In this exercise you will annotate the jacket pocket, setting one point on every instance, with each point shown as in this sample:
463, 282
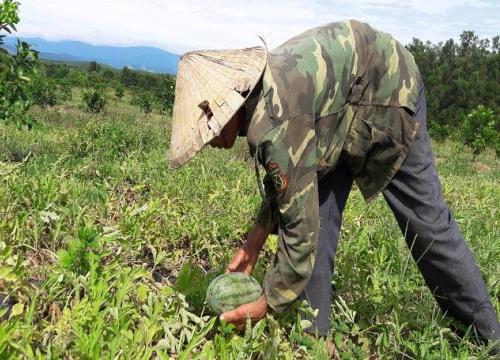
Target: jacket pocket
376, 145
368, 143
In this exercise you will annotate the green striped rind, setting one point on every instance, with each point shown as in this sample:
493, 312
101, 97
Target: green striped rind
228, 291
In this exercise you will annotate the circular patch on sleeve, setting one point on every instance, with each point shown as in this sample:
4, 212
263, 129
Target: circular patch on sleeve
279, 179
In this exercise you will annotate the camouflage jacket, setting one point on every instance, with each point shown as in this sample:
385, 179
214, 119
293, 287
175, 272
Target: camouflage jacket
339, 89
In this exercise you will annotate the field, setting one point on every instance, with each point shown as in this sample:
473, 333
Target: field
106, 253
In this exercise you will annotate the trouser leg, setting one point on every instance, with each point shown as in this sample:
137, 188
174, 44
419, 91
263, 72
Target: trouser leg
443, 257
333, 192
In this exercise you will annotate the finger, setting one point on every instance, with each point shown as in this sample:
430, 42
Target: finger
236, 262
239, 314
232, 316
246, 266
248, 269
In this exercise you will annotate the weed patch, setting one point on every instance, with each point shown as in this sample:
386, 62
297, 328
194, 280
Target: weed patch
107, 254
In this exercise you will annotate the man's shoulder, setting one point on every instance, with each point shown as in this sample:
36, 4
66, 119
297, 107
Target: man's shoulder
314, 69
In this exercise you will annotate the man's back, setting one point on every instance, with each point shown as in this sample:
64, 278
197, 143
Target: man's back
318, 67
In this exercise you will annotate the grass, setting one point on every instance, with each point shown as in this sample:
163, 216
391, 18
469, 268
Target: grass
107, 254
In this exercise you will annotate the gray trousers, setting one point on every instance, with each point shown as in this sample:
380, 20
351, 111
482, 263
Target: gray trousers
444, 259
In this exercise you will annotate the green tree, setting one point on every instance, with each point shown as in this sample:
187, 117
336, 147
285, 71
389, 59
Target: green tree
43, 92
495, 44
65, 90
147, 103
458, 76
15, 71
94, 67
143, 99
479, 132
166, 94
119, 92
94, 99
9, 17
76, 78
57, 71
108, 75
127, 77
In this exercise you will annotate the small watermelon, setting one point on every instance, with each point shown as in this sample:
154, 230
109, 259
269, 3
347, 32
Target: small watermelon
228, 291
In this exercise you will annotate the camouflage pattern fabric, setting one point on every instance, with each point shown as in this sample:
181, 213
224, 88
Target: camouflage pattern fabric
339, 89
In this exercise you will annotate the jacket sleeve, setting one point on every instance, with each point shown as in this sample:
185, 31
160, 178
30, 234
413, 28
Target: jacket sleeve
288, 153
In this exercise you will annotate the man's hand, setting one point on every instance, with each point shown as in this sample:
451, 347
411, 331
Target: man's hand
245, 259
247, 255
255, 310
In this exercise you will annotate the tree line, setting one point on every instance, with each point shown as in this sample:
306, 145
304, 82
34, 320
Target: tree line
459, 76
147, 90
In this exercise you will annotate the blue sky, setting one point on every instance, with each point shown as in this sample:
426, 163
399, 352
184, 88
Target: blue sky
182, 25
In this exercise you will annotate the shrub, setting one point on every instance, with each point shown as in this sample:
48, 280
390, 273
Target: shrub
65, 93
439, 131
43, 92
147, 103
111, 139
94, 67
108, 75
166, 95
79, 256
144, 100
95, 80
76, 78
94, 100
119, 92
478, 131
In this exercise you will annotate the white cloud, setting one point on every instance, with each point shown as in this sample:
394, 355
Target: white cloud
176, 24
432, 7
181, 25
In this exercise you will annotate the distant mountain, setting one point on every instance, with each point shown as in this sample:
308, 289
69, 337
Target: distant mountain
137, 57
10, 48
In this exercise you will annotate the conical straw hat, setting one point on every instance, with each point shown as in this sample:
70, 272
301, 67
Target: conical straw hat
208, 94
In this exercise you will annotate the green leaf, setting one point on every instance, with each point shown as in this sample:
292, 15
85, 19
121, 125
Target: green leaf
7, 274
64, 258
17, 310
142, 292
193, 283
304, 324
167, 291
